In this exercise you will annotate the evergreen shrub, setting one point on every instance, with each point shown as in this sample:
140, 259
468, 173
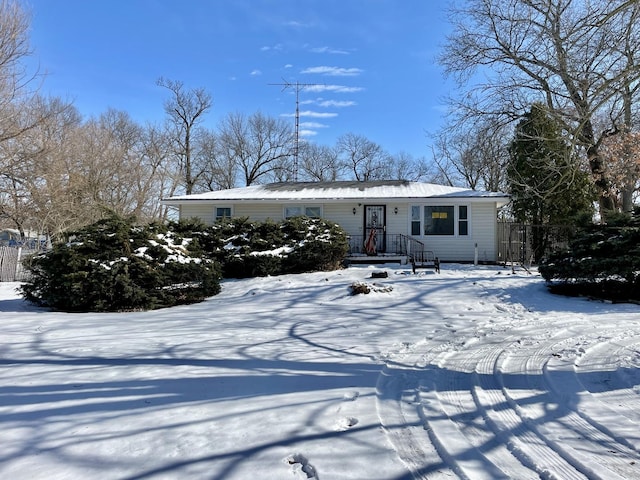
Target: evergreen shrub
316, 244
602, 261
295, 245
114, 265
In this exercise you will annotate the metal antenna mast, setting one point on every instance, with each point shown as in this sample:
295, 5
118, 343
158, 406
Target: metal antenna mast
297, 86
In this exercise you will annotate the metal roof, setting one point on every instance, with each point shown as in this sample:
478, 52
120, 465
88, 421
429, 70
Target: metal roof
339, 190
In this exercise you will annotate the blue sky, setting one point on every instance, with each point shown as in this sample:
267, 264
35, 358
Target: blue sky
373, 61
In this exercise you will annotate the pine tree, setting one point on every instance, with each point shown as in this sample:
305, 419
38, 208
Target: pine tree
545, 178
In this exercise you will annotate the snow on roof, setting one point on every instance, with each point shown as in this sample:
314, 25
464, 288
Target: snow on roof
343, 190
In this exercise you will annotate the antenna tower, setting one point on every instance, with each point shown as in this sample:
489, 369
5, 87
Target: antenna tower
297, 87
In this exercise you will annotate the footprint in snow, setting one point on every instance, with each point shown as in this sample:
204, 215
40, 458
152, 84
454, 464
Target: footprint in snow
254, 291
351, 396
301, 467
345, 423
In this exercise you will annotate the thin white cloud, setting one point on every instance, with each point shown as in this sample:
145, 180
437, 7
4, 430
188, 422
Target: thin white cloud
267, 48
255, 73
313, 125
333, 88
333, 71
297, 24
288, 65
311, 113
321, 102
336, 103
334, 51
307, 133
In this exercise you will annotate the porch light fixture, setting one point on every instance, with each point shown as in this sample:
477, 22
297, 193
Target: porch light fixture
395, 210
354, 210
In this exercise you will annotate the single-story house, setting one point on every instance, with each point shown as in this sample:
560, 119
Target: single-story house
382, 218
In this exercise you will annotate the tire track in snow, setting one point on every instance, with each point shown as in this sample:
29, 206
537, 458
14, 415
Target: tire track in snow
474, 401
517, 398
608, 373
605, 393
397, 402
489, 410
586, 448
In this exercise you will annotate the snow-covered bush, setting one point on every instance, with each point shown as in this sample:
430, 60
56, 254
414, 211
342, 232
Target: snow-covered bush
602, 261
296, 245
315, 244
114, 265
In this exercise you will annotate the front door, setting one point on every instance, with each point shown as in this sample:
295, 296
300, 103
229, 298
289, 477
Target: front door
375, 228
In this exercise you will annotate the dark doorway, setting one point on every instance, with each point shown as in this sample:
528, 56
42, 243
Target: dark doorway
375, 229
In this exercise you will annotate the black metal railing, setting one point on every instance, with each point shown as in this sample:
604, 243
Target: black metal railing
388, 243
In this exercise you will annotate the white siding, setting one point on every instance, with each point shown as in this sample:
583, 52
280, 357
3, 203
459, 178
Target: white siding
258, 211
485, 230
398, 222
204, 212
482, 223
342, 214
461, 248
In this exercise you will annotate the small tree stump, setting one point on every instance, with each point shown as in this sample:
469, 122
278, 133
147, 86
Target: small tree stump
358, 288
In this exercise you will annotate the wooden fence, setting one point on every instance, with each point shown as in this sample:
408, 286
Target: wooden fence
527, 244
11, 269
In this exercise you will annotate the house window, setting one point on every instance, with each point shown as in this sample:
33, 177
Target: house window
439, 220
463, 220
292, 211
415, 220
313, 212
223, 212
297, 210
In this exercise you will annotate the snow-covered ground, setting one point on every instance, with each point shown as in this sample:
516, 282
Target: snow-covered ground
474, 373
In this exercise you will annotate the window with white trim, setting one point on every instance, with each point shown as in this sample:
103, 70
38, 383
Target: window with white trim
313, 211
416, 224
439, 220
292, 211
463, 220
222, 213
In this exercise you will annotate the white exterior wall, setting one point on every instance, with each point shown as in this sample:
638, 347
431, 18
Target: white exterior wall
482, 223
485, 231
258, 211
204, 212
342, 214
482, 231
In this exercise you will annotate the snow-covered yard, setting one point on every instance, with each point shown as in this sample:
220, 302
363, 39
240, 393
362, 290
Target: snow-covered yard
474, 373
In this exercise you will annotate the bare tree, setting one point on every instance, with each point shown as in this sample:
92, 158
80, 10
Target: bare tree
258, 144
219, 171
185, 110
79, 172
15, 81
22, 112
405, 166
364, 159
31, 182
565, 53
164, 175
474, 156
319, 162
